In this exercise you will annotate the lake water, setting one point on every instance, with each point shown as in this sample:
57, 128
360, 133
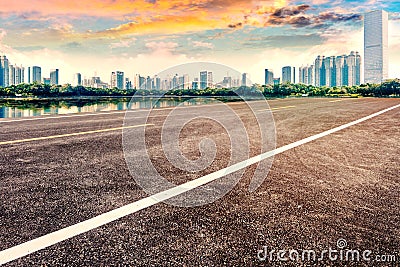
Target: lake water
18, 108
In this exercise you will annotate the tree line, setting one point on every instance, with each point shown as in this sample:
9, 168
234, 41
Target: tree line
388, 88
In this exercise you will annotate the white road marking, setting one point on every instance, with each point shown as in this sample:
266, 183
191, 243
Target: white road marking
50, 239
71, 134
278, 108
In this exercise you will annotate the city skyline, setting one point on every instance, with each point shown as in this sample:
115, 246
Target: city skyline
98, 36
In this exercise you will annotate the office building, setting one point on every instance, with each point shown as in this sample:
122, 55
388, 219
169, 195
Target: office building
4, 71
210, 80
376, 59
287, 75
77, 79
36, 74
227, 82
54, 77
16, 75
269, 77
245, 79
306, 75
344, 70
203, 80
195, 84
117, 80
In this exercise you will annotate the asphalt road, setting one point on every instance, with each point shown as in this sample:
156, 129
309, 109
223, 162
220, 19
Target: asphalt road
342, 186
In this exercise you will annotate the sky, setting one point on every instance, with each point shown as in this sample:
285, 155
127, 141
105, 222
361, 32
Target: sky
95, 37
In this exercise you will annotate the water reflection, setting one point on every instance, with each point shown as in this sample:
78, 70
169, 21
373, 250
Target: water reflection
18, 108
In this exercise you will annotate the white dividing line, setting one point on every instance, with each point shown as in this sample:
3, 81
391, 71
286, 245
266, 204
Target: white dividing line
50, 239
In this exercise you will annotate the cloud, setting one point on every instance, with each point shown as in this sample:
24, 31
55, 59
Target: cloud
236, 25
161, 47
123, 43
203, 44
296, 16
3, 34
29, 48
284, 41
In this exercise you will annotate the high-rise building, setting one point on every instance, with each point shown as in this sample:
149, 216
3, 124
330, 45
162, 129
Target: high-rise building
195, 84
4, 69
328, 72
376, 66
333, 71
269, 77
210, 80
149, 83
306, 75
77, 79
318, 77
54, 77
128, 84
203, 80
16, 75
287, 74
245, 77
117, 80
186, 81
157, 83
227, 82
294, 74
36, 74
11, 73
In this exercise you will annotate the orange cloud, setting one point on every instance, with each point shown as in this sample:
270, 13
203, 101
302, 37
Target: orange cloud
165, 24
146, 17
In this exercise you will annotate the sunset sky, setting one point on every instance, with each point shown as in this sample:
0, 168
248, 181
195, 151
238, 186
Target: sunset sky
99, 36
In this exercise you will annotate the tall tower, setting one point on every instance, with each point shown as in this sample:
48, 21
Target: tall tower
318, 67
117, 80
54, 77
376, 65
77, 79
203, 80
287, 74
269, 77
4, 69
36, 74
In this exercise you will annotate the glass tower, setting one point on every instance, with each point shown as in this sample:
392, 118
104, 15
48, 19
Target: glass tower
376, 46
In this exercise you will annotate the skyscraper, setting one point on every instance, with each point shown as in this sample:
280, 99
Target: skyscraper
54, 77
117, 80
36, 74
318, 75
334, 71
269, 77
287, 74
376, 46
245, 77
11, 72
210, 80
4, 69
77, 79
203, 80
